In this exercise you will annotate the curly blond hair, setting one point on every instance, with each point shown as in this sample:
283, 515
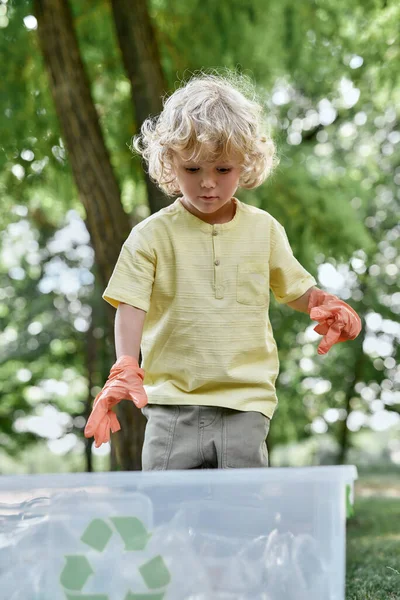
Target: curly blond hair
213, 117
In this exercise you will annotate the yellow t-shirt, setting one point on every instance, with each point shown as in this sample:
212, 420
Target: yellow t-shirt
207, 338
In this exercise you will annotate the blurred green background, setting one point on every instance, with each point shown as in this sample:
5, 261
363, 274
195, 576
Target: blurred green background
327, 73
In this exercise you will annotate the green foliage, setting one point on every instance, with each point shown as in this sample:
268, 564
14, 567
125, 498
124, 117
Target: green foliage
40, 343
336, 190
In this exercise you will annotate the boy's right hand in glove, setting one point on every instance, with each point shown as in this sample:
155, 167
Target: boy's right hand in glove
125, 382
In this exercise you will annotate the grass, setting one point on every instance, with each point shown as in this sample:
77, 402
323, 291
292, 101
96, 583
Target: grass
373, 540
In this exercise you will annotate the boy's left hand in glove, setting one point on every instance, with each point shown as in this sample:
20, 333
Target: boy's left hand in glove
338, 322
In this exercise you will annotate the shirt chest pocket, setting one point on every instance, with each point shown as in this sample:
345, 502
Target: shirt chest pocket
252, 283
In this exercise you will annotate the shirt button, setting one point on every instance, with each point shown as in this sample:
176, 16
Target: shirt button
216, 262
215, 232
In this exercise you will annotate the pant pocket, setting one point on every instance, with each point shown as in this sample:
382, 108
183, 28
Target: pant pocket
158, 437
244, 439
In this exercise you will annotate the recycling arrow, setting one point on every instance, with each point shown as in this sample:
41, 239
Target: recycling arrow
155, 573
76, 572
132, 531
97, 534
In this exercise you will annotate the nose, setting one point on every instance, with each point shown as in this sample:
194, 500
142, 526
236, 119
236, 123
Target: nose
208, 182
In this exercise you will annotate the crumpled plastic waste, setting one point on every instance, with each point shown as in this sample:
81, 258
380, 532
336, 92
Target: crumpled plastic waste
201, 565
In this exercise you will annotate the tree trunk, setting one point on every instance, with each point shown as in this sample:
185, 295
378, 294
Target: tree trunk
140, 55
97, 186
90, 348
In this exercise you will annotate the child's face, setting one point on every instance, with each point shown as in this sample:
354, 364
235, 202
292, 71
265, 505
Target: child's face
207, 187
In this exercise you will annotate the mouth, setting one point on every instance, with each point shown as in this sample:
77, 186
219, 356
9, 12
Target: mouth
208, 197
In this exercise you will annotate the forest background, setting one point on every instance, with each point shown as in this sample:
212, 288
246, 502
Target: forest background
78, 78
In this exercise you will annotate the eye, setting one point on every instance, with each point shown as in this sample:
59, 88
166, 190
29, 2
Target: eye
222, 170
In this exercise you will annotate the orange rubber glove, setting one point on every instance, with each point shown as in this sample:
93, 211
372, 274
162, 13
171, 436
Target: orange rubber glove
338, 322
123, 383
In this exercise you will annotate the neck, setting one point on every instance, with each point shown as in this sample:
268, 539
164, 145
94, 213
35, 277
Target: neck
224, 216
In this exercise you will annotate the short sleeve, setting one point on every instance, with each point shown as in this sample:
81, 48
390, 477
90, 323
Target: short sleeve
132, 279
288, 280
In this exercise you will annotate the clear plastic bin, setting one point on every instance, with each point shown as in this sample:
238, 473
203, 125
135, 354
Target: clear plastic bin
243, 534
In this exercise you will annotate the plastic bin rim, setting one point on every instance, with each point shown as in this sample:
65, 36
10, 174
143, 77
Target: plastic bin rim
337, 473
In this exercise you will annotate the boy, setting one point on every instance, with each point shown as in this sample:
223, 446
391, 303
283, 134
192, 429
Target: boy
191, 288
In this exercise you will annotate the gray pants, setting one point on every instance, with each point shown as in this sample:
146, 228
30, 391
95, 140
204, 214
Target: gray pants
203, 437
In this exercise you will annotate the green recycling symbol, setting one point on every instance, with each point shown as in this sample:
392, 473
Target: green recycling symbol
97, 534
